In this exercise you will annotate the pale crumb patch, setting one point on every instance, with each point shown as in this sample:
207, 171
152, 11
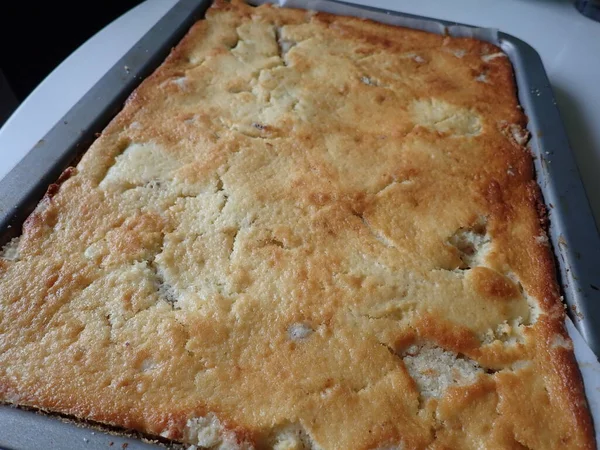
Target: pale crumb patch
209, 432
514, 132
519, 365
179, 81
377, 234
513, 277
532, 302
11, 397
520, 135
542, 239
147, 365
445, 117
473, 245
562, 342
368, 81
482, 78
460, 53
253, 129
93, 251
534, 308
415, 57
507, 332
488, 58
299, 331
135, 125
435, 369
285, 46
326, 392
293, 437
204, 431
165, 291
10, 251
138, 164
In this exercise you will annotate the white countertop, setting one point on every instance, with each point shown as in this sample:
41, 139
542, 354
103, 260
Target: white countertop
568, 43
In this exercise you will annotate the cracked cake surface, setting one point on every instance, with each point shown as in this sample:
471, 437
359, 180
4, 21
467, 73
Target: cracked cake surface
303, 231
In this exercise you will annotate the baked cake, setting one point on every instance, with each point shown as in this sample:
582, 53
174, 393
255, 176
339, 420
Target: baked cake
303, 231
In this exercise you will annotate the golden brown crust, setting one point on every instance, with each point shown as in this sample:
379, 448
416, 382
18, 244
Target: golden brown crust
302, 231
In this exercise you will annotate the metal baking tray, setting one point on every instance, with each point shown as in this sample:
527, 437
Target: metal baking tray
572, 230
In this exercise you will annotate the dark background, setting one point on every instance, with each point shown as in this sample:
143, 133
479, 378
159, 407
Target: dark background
37, 35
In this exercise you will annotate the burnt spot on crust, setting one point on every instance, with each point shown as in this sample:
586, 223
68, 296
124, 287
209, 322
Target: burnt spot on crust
54, 187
